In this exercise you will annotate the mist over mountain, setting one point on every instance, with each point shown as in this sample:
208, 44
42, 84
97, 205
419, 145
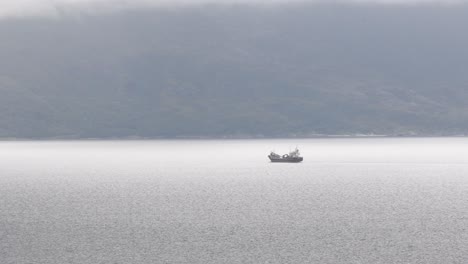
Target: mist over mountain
236, 70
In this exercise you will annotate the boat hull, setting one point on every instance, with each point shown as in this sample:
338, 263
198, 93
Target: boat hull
286, 160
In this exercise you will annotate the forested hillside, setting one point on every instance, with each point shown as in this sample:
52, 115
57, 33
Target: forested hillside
236, 71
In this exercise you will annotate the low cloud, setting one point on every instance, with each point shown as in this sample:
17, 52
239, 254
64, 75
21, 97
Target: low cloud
18, 8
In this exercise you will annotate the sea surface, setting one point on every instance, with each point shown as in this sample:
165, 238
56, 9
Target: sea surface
378, 200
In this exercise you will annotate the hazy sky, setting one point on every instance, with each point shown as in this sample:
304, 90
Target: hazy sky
47, 7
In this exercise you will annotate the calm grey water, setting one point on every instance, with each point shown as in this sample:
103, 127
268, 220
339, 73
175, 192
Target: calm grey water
350, 201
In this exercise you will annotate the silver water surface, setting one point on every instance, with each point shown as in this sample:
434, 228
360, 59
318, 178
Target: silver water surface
350, 201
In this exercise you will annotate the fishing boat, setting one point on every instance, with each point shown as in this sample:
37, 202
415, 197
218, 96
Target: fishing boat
293, 157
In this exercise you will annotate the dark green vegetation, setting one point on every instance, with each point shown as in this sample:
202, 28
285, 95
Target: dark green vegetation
236, 71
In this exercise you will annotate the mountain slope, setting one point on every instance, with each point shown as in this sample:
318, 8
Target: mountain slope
236, 71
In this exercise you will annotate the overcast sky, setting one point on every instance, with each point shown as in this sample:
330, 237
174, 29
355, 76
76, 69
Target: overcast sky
48, 7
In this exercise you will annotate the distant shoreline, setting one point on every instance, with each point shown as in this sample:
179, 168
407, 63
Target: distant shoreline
10, 139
